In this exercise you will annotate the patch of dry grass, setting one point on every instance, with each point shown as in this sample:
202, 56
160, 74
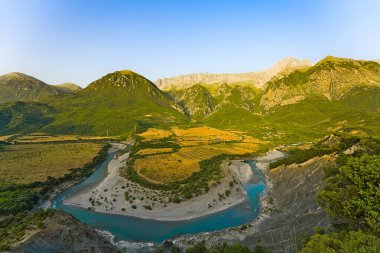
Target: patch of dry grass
26, 163
41, 137
5, 137
155, 134
152, 151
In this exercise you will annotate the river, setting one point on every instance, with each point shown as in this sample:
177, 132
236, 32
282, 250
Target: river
128, 228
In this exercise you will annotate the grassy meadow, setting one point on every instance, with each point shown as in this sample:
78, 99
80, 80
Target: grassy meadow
27, 163
31, 165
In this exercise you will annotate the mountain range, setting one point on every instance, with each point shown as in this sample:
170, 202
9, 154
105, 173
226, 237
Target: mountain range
257, 78
294, 99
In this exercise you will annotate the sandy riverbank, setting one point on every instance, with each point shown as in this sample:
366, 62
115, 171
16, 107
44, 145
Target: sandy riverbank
109, 195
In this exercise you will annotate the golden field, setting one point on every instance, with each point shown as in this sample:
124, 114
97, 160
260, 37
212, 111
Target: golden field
197, 144
41, 137
26, 163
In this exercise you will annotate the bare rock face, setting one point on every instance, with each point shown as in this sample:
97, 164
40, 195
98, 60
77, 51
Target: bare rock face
296, 213
257, 79
63, 233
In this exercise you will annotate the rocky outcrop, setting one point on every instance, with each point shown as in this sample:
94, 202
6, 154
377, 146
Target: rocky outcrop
331, 79
63, 233
257, 79
294, 192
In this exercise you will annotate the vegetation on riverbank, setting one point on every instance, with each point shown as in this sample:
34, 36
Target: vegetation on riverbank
331, 144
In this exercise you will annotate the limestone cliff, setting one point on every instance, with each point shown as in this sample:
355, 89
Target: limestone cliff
258, 78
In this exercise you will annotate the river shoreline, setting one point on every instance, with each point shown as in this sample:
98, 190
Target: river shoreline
113, 188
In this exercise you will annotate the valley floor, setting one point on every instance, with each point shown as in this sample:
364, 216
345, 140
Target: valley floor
109, 195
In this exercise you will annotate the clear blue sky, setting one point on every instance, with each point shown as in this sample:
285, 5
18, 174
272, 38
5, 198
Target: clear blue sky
81, 40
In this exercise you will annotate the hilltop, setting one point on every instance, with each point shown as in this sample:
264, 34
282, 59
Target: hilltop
121, 102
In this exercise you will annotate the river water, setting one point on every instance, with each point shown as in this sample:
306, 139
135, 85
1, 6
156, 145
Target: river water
129, 228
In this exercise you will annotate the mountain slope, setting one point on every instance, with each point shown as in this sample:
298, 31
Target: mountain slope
257, 79
196, 101
200, 102
20, 87
118, 103
24, 117
331, 78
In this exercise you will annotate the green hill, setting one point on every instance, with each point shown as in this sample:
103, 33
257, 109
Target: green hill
20, 87
118, 103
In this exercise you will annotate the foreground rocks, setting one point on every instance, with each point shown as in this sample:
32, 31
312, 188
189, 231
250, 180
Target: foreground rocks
63, 233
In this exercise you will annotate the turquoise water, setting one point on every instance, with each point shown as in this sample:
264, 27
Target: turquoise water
135, 229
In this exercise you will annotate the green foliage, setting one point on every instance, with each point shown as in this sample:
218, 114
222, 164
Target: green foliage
353, 195
17, 200
324, 147
343, 242
24, 117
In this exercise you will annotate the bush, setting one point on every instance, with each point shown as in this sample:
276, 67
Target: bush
352, 196
350, 242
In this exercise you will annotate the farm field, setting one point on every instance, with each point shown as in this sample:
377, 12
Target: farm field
195, 145
41, 137
26, 163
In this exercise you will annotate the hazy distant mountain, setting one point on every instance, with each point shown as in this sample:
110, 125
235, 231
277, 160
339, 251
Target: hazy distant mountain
257, 79
331, 78
68, 87
20, 87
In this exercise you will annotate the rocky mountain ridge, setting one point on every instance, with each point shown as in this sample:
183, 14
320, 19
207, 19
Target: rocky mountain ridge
331, 78
257, 78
